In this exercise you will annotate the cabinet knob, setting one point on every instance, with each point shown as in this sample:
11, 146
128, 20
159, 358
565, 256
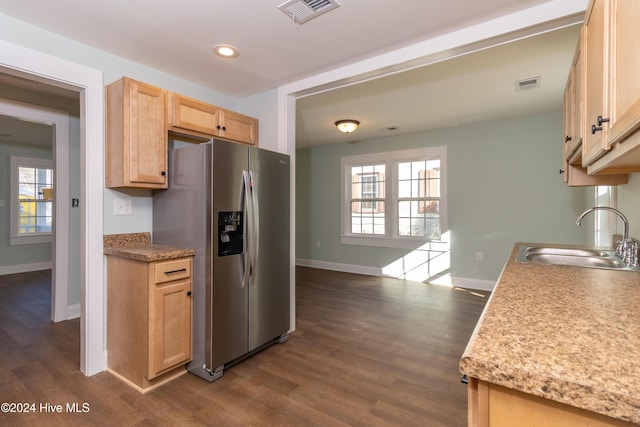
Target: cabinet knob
218, 127
567, 138
602, 120
188, 293
561, 171
595, 129
163, 173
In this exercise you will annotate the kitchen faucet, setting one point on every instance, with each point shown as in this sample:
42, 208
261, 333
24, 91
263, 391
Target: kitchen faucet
627, 249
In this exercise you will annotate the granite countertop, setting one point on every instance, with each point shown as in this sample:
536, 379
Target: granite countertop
138, 246
567, 334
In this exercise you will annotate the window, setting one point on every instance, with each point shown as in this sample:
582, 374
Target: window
395, 198
31, 200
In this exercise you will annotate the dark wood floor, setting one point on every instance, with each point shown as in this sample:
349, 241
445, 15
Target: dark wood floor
368, 351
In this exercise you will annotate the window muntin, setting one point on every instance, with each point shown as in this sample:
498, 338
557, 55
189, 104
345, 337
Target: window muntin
36, 212
32, 181
394, 197
419, 199
367, 199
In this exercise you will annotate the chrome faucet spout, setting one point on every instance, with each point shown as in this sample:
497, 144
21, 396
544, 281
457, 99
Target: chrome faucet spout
625, 236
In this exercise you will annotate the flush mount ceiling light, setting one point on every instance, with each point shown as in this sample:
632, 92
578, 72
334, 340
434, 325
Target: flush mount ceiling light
226, 51
347, 126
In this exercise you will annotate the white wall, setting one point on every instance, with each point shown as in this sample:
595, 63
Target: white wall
262, 106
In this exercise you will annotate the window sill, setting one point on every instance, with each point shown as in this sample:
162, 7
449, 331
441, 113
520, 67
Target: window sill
384, 242
30, 240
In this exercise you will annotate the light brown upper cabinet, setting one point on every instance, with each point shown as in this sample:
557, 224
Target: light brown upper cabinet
611, 141
573, 173
193, 117
136, 136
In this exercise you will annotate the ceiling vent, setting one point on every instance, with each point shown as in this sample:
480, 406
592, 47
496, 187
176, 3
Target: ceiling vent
525, 84
302, 11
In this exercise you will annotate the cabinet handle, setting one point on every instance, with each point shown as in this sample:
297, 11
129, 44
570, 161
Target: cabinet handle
600, 120
561, 171
567, 138
188, 293
182, 270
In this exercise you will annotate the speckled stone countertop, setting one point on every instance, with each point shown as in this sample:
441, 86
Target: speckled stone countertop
564, 333
138, 246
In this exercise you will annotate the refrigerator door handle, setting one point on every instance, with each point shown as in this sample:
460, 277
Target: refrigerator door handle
246, 201
255, 228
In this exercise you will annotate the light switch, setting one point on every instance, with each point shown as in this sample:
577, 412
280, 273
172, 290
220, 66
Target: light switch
1, 203
122, 207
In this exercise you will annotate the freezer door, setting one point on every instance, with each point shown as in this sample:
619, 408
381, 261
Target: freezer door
230, 299
181, 218
269, 285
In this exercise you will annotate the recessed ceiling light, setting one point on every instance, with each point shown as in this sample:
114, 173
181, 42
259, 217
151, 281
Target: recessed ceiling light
226, 51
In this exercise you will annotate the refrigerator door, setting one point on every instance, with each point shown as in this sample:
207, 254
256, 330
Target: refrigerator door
269, 284
230, 299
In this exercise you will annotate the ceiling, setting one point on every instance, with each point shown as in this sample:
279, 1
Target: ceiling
274, 50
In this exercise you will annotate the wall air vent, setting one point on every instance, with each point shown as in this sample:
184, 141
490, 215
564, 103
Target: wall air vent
302, 11
530, 83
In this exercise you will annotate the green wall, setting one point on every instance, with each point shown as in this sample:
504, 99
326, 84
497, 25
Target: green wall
503, 187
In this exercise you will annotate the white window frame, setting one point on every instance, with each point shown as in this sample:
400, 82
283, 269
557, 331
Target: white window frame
15, 237
391, 238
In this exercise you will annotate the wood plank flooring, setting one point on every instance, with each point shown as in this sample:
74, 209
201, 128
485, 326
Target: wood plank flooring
368, 351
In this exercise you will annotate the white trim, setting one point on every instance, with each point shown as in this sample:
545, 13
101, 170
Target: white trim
73, 311
459, 282
60, 249
38, 66
26, 268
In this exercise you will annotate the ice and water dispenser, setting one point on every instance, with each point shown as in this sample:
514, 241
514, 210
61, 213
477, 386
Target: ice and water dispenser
230, 233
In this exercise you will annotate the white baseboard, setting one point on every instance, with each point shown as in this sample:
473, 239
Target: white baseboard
25, 268
461, 282
73, 311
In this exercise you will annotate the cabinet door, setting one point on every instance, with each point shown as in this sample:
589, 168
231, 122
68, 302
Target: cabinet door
625, 69
148, 148
238, 127
169, 326
136, 138
193, 115
596, 77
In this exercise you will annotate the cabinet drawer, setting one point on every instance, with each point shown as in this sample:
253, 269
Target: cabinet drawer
173, 270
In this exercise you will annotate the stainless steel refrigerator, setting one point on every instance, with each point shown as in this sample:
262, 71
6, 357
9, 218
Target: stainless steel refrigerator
230, 203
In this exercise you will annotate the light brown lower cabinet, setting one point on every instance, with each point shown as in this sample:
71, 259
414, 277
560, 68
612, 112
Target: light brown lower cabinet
148, 320
496, 406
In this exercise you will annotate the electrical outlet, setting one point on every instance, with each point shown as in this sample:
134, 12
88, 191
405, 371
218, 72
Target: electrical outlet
479, 256
1, 203
122, 207
317, 243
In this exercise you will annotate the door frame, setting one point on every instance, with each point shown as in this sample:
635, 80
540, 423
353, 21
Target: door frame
40, 67
59, 120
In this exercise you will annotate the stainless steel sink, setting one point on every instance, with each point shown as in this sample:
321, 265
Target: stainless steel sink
577, 257
566, 251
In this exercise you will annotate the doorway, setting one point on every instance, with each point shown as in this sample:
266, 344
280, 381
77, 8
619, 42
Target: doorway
88, 83
23, 120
